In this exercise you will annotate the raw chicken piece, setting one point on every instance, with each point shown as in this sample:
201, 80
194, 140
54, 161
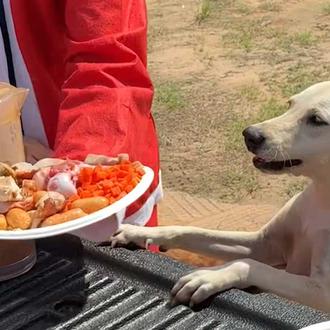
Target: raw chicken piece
26, 204
63, 184
92, 159
48, 162
69, 166
51, 203
23, 166
24, 170
5, 206
9, 190
41, 178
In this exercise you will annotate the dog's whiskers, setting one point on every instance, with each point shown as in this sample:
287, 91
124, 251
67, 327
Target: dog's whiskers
269, 151
289, 159
282, 154
275, 157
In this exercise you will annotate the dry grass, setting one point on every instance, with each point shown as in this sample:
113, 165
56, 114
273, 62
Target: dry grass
238, 66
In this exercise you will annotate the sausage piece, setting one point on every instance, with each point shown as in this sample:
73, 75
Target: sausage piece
91, 204
18, 219
63, 217
3, 222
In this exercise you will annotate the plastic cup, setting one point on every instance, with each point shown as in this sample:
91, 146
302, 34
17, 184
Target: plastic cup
16, 257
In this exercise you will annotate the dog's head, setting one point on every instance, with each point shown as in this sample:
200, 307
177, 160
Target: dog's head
298, 141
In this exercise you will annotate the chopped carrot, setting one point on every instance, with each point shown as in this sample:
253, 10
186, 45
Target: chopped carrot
122, 194
129, 188
107, 184
115, 191
86, 175
86, 194
112, 200
113, 182
134, 182
98, 193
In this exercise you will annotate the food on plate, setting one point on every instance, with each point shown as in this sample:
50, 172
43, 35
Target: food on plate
18, 219
9, 190
90, 204
63, 217
62, 183
6, 170
54, 191
3, 222
29, 187
47, 205
38, 195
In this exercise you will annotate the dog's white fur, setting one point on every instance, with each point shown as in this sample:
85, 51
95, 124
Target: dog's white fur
290, 256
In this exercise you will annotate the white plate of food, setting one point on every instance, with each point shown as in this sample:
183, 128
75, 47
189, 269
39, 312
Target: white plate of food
56, 196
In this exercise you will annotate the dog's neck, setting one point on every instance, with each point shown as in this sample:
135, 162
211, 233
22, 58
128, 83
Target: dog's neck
321, 192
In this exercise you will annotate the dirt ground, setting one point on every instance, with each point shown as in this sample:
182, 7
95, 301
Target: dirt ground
218, 65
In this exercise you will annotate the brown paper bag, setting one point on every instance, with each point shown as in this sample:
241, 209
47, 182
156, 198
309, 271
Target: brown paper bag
11, 137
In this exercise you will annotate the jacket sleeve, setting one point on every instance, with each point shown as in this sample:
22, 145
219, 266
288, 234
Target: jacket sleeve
107, 93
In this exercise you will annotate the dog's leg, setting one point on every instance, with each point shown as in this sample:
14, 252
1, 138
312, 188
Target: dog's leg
267, 245
220, 244
313, 290
201, 284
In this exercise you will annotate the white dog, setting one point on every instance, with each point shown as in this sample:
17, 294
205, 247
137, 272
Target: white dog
290, 256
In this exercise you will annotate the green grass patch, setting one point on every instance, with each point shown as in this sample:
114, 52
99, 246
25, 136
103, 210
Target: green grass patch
242, 38
170, 96
242, 8
288, 42
326, 8
248, 34
233, 135
299, 77
250, 92
304, 39
270, 5
295, 187
272, 108
204, 11
283, 41
239, 182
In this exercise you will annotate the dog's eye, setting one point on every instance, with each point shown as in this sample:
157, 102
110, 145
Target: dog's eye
316, 120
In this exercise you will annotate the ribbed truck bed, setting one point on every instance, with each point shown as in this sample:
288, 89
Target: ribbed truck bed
76, 285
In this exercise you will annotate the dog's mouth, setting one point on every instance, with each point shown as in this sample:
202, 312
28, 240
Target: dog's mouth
262, 164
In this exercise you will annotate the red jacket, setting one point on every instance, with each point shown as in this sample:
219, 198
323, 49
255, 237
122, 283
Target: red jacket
85, 63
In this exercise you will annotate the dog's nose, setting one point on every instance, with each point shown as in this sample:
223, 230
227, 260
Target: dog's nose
253, 138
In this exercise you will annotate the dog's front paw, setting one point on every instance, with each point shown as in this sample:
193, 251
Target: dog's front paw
129, 234
202, 284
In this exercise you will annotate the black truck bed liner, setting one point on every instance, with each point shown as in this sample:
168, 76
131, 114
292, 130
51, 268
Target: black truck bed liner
76, 285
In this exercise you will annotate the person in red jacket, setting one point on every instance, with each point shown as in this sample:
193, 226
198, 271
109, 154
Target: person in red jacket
85, 64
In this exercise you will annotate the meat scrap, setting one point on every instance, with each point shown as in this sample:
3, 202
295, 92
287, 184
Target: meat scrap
9, 190
29, 187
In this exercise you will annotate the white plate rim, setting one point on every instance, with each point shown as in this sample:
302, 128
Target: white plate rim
319, 326
85, 221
